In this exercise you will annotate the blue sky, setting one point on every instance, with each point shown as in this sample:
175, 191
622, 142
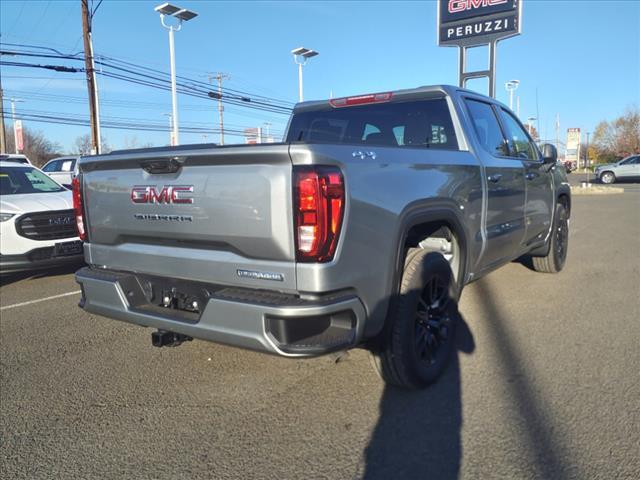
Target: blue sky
582, 58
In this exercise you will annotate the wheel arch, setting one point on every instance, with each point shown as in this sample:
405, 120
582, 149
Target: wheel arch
418, 221
564, 196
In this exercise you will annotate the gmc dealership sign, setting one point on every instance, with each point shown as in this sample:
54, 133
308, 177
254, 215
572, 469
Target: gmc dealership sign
477, 22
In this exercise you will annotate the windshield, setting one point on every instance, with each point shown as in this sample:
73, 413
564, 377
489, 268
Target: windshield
20, 180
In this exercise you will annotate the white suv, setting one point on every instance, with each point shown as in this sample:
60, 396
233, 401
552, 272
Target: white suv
61, 170
37, 221
15, 158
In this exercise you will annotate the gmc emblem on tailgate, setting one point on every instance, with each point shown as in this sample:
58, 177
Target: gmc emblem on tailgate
167, 194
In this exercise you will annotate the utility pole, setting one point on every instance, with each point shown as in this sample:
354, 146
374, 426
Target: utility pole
3, 135
91, 77
268, 125
220, 77
171, 138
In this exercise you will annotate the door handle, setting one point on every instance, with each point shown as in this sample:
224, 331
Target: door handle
495, 178
170, 165
531, 175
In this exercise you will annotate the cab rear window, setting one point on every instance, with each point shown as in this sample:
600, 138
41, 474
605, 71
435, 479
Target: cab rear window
413, 124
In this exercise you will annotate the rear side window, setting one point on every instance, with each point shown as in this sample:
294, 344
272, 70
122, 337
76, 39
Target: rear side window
53, 166
631, 161
67, 166
419, 124
487, 127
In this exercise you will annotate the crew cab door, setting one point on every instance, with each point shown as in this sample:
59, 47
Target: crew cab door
629, 168
504, 225
538, 212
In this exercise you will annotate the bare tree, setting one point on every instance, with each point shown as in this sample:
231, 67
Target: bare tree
83, 145
132, 142
38, 149
618, 138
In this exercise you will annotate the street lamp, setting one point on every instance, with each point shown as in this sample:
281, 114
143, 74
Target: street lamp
300, 56
511, 86
183, 15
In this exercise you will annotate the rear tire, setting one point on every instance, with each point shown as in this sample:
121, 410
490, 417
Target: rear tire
420, 329
608, 178
554, 261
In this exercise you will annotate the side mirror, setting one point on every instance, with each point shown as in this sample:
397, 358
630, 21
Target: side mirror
549, 153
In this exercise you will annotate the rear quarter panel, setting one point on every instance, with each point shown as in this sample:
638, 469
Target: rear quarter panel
381, 195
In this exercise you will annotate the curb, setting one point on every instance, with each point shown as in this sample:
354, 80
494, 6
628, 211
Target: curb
595, 190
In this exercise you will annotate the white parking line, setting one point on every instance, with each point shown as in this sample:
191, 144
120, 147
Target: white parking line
30, 302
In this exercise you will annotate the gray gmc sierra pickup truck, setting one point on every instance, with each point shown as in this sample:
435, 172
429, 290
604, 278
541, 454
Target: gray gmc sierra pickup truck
360, 229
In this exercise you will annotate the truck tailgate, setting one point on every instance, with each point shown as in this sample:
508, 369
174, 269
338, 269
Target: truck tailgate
228, 222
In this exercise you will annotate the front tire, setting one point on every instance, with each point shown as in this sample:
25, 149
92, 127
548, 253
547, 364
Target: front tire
554, 261
608, 178
420, 329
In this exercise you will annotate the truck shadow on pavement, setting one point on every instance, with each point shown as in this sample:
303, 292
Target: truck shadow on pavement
9, 278
418, 435
418, 432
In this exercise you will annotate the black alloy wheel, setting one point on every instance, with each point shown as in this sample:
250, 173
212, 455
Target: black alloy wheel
432, 321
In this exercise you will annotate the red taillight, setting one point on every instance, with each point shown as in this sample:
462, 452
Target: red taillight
78, 207
361, 99
319, 209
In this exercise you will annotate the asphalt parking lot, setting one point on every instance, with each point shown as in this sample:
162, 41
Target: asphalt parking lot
545, 384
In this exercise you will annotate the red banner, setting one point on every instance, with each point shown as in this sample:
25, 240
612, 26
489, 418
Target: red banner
18, 136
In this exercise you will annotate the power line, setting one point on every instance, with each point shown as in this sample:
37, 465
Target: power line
121, 125
57, 68
126, 104
156, 82
109, 62
150, 81
120, 122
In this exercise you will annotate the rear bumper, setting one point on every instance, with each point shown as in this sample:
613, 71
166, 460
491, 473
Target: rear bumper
254, 319
35, 260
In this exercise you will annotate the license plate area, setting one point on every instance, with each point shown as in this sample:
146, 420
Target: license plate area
66, 249
168, 297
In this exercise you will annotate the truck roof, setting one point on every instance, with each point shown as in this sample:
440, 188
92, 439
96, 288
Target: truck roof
422, 92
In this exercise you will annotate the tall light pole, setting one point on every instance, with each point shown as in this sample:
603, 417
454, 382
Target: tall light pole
183, 15
511, 86
300, 56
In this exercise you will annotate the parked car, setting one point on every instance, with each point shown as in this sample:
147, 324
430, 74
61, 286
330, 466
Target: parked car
61, 169
626, 169
37, 222
569, 166
15, 157
361, 229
